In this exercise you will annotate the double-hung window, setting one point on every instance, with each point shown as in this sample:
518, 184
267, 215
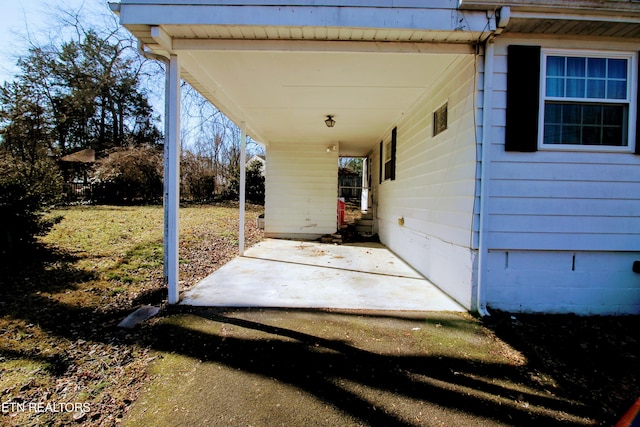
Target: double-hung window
387, 160
586, 100
388, 157
571, 100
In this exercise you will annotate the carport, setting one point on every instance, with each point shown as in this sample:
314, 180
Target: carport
279, 71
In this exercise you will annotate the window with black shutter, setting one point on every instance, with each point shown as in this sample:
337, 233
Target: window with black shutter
388, 157
561, 99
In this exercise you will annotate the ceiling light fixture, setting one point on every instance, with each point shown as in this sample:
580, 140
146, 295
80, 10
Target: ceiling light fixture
330, 122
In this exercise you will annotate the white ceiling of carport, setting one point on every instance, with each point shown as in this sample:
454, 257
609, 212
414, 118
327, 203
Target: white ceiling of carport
285, 96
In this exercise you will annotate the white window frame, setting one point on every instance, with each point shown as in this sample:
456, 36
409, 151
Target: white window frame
631, 99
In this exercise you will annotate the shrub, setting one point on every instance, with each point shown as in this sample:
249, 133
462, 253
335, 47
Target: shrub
26, 191
130, 176
197, 178
254, 184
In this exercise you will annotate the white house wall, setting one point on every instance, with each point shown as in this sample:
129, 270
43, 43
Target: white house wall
564, 227
433, 192
301, 190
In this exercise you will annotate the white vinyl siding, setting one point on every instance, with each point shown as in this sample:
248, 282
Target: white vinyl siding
563, 226
564, 282
560, 200
433, 193
301, 190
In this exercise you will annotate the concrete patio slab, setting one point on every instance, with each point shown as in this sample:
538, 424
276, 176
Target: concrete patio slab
295, 274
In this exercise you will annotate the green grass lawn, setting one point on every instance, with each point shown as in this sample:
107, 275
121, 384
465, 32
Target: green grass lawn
59, 308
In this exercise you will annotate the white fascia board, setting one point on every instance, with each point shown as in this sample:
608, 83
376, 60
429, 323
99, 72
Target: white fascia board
426, 4
314, 16
214, 45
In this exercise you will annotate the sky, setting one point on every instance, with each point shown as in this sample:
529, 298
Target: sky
35, 19
20, 18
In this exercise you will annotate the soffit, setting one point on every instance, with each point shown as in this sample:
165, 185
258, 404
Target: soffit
581, 18
249, 32
558, 6
557, 26
286, 96
283, 81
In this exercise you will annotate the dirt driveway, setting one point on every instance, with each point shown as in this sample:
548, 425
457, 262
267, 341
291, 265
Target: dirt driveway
270, 367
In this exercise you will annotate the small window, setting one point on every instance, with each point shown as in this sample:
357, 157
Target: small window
388, 157
440, 120
586, 100
387, 160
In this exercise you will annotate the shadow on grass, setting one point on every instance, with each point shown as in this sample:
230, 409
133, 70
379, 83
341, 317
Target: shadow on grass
594, 358
54, 364
27, 286
39, 268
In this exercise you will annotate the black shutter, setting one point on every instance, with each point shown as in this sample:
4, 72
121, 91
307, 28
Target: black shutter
638, 112
381, 162
523, 98
394, 134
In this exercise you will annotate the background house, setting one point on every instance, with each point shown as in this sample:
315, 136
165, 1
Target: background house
349, 183
260, 159
76, 170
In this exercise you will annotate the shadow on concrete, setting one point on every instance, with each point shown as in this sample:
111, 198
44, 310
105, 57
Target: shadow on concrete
368, 386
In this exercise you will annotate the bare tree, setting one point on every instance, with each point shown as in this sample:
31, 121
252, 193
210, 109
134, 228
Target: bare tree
211, 135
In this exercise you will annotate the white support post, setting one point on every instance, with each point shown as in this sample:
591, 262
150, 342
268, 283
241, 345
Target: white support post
165, 179
243, 179
172, 178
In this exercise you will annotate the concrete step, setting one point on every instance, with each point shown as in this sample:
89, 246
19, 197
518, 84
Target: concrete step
367, 229
367, 215
367, 222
